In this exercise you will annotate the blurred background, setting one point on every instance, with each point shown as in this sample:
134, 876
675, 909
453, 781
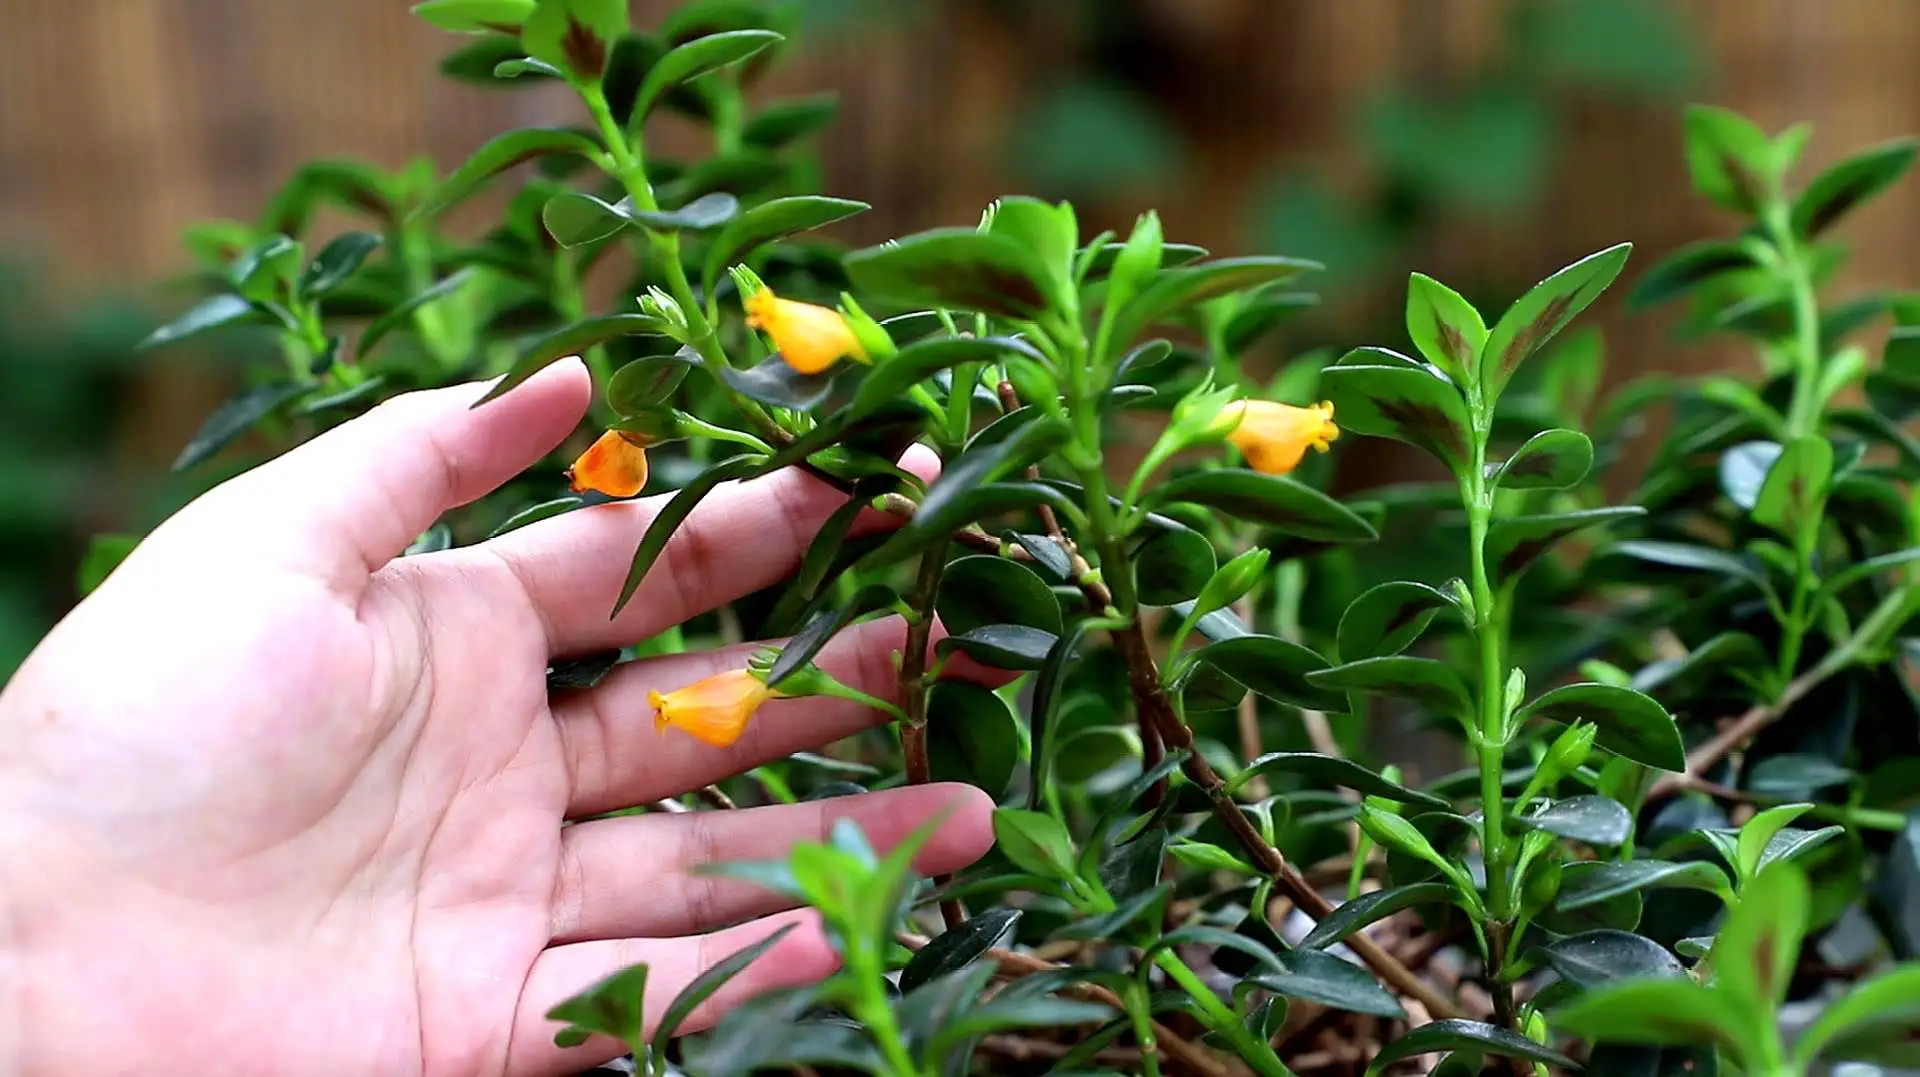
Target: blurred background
1485, 142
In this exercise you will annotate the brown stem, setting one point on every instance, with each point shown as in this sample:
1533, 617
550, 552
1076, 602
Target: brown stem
1742, 729
715, 798
913, 694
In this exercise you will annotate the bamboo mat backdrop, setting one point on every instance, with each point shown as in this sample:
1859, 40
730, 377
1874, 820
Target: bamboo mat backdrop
123, 120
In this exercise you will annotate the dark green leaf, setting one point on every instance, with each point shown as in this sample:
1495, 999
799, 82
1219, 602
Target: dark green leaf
957, 947
1516, 542
1795, 776
477, 62
1596, 957
1387, 618
1835, 192
571, 340
502, 153
784, 122
1351, 916
1269, 666
702, 987
534, 514
1425, 681
891, 380
694, 59
1093, 750
235, 417
1629, 723
1003, 646
265, 272
1171, 291
1127, 910
1002, 1014
1860, 570
707, 211
806, 645
1636, 1060
337, 261
771, 381
1549, 460
577, 674
1172, 566
1262, 315
1792, 842
1335, 771
1454, 1034
985, 464
1318, 976
1541, 313
614, 1006
645, 383
522, 66
1277, 501
931, 1006
1405, 403
1593, 882
957, 268
377, 330
213, 312
1594, 820
1681, 555
959, 507
661, 529
1443, 326
576, 218
771, 221
1685, 269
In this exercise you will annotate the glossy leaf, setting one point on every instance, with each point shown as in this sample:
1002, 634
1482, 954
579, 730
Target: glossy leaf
958, 947
1594, 820
1547, 307
1171, 291
235, 417
378, 329
808, 642
1388, 617
1860, 570
614, 1006
1686, 269
1837, 191
694, 59
1593, 882
985, 464
644, 383
1729, 158
1444, 327
891, 380
214, 312
706, 212
1003, 646
502, 153
338, 260
534, 514
1356, 914
1592, 958
957, 268
1046, 701
1515, 542
1271, 667
982, 589
1628, 723
1318, 976
1759, 944
661, 529
1430, 683
579, 674
571, 340
1404, 403
771, 381
1276, 501
1034, 841
770, 222
1743, 470
576, 218
1549, 460
1172, 566
1456, 1034
1682, 555
1335, 770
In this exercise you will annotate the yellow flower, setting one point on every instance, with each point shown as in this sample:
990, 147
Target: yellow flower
613, 465
716, 709
809, 337
1273, 437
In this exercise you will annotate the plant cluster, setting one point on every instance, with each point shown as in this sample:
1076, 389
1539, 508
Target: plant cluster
1688, 736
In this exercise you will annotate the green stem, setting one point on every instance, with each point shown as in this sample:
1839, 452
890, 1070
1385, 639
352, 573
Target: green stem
1803, 414
875, 1012
1142, 1017
1255, 1051
428, 320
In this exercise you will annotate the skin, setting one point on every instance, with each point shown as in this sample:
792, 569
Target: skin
276, 799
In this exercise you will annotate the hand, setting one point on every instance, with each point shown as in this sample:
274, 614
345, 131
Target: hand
276, 799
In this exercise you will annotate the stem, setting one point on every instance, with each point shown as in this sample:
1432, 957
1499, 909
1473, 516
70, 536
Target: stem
875, 1012
1142, 1017
427, 321
913, 693
1257, 1052
1804, 413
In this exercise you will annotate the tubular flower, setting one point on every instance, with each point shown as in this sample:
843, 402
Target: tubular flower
809, 337
613, 465
1273, 437
715, 710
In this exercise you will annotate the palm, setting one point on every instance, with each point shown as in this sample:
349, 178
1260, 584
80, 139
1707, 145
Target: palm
337, 797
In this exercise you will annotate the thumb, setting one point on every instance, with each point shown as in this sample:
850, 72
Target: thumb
352, 499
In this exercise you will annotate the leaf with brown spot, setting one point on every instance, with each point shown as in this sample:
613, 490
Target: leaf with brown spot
1835, 192
586, 53
1728, 157
1796, 486
957, 268
1549, 460
1759, 945
1661, 1011
1546, 309
1408, 404
1443, 326
1680, 272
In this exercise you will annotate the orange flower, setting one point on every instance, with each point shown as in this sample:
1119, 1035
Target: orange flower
1273, 437
809, 337
612, 465
716, 709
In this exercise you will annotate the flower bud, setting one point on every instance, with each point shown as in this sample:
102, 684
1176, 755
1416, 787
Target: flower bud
614, 465
1568, 752
1230, 581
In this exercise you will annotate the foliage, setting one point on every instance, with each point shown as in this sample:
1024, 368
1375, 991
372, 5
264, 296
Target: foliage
1672, 794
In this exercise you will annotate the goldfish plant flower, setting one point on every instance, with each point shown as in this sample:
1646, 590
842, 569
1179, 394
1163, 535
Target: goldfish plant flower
1274, 437
810, 337
615, 465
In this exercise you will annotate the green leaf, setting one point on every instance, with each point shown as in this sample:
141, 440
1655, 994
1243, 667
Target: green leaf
1743, 470
1878, 1012
1730, 159
645, 383
1010, 647
1796, 485
972, 736
1667, 1012
1318, 976
235, 417
570, 340
1628, 723
1002, 1014
661, 529
1425, 681
1172, 566
1515, 542
1686, 269
1171, 291
1547, 307
1454, 1034
265, 272
1276, 501
377, 330
1795, 775
772, 381
1046, 701
213, 312
807, 643
575, 35
1334, 771
615, 1006
1682, 555
1592, 958
104, 553
704, 986
785, 122
987, 463
769, 222
1092, 750
1835, 192
707, 212
534, 514
1388, 617
576, 218
1405, 403
957, 268
1549, 460
1268, 666
1594, 820
1593, 882
579, 674
1351, 916
891, 379
1860, 570
1443, 326
501, 153
1759, 944
957, 947
694, 59
1049, 231
522, 66
957, 507
1759, 831
982, 589
1034, 841
337, 261
475, 16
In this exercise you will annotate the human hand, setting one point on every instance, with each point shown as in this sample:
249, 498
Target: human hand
275, 799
